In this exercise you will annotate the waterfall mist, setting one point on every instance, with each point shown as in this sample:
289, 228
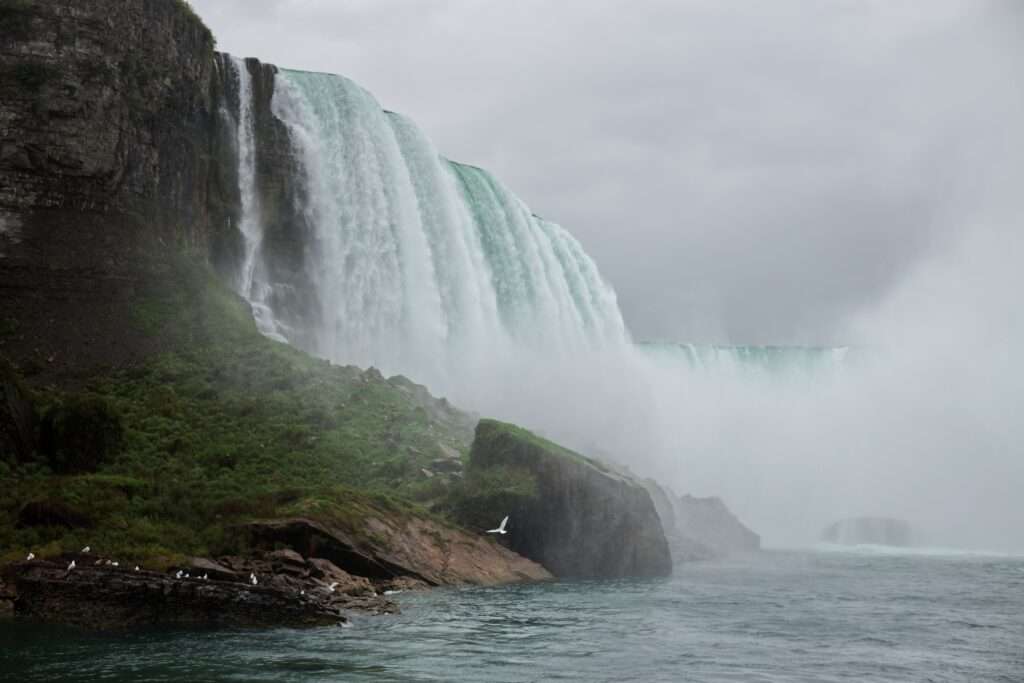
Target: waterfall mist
435, 270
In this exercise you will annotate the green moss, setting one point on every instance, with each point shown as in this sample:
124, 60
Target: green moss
502, 440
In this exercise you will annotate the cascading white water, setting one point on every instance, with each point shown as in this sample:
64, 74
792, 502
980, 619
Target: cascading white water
425, 266
255, 290
433, 269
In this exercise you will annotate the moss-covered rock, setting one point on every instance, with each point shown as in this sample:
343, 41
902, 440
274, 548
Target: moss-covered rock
566, 511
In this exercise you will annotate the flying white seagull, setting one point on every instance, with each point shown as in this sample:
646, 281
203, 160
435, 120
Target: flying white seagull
501, 527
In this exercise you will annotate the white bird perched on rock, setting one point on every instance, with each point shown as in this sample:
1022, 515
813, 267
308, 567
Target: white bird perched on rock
252, 578
114, 564
136, 567
187, 576
501, 527
71, 566
178, 575
302, 592
86, 549
31, 556
98, 563
206, 577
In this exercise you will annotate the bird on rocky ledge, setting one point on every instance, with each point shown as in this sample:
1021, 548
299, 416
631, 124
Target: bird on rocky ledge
206, 577
71, 566
252, 578
178, 574
136, 567
86, 549
330, 589
501, 527
31, 556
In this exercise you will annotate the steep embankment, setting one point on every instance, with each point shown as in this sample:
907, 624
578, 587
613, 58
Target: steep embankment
571, 514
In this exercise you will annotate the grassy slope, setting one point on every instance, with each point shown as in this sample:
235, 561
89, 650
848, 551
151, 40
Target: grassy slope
226, 426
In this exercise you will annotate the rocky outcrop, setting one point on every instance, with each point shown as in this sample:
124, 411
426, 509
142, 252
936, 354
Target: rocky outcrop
870, 531
390, 547
103, 597
709, 522
571, 514
700, 528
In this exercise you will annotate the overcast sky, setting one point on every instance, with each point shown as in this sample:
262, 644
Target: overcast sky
742, 172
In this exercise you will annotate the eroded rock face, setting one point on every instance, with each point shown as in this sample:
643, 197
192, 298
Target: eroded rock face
572, 515
109, 165
401, 547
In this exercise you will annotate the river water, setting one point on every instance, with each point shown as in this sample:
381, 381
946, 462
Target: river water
787, 616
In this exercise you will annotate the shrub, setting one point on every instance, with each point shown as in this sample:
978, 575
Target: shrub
79, 433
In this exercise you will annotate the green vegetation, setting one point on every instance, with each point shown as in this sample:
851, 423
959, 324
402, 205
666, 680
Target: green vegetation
486, 489
505, 442
185, 8
223, 427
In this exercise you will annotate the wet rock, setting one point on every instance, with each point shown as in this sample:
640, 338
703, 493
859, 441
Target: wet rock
198, 566
327, 572
105, 597
571, 514
388, 545
287, 557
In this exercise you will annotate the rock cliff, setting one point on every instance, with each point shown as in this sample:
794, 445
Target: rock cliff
700, 528
108, 119
571, 514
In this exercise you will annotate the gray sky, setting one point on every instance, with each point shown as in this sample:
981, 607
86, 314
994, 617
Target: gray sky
743, 172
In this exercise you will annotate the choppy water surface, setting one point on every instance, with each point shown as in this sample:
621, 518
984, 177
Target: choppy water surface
784, 616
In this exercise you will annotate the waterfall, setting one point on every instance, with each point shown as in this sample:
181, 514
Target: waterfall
253, 288
367, 247
423, 265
